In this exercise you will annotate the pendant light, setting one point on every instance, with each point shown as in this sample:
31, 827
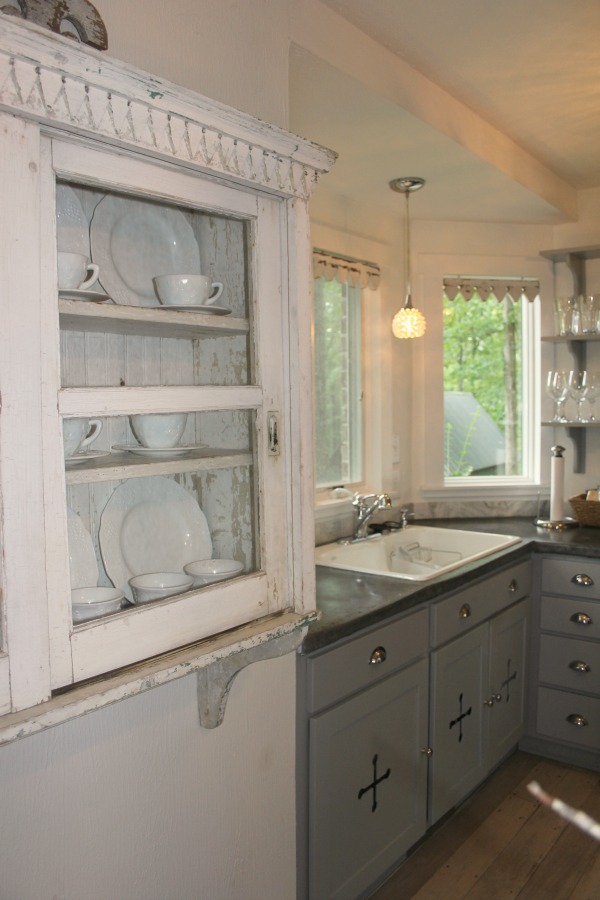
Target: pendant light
408, 321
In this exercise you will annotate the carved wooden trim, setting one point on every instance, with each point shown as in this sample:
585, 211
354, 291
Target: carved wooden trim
47, 78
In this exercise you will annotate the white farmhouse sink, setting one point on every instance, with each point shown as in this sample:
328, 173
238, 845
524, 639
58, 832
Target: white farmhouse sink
416, 553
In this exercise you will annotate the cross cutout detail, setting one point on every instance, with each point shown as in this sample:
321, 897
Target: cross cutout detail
374, 783
508, 679
460, 717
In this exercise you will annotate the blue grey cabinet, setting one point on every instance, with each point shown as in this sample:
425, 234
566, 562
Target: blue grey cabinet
367, 796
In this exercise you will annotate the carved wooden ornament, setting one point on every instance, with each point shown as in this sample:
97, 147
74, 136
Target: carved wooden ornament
71, 18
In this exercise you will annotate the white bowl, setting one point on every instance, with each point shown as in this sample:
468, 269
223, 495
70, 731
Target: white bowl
206, 571
92, 602
157, 585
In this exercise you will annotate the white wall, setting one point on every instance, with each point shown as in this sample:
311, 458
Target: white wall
231, 51
138, 802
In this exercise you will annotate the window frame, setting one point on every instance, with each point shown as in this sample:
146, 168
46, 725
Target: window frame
428, 384
371, 375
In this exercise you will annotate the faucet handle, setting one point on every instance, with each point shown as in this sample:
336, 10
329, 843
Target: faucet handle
406, 515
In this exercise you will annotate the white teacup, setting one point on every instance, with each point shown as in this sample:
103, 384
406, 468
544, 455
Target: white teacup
76, 272
187, 290
79, 433
158, 431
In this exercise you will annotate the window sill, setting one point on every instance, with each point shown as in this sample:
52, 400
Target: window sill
216, 661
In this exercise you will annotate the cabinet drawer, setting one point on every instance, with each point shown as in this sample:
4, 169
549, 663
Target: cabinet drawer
580, 618
570, 663
462, 611
559, 712
576, 578
365, 660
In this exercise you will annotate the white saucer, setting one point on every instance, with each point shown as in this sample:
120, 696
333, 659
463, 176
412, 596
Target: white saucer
90, 296
158, 452
205, 309
83, 457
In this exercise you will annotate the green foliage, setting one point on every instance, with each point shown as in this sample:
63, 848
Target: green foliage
474, 345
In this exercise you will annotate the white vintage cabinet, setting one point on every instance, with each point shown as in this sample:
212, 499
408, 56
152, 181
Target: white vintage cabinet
145, 178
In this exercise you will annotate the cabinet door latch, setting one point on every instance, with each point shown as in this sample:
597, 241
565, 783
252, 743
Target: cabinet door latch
273, 433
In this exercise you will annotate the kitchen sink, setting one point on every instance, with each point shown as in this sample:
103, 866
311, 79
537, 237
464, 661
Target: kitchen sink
416, 553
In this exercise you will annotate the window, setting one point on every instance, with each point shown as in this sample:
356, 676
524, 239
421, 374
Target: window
488, 386
338, 383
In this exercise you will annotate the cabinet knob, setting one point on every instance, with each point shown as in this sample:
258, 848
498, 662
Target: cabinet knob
578, 665
583, 580
513, 586
489, 701
497, 697
427, 751
378, 656
465, 611
581, 619
578, 721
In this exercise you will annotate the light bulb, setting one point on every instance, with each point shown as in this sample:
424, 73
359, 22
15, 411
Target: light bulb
409, 323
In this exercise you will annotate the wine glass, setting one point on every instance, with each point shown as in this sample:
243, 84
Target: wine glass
577, 388
557, 387
592, 392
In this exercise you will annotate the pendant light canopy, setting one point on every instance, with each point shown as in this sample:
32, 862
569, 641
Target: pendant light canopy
408, 321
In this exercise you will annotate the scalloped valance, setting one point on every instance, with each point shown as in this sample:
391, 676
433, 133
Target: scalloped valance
357, 272
483, 288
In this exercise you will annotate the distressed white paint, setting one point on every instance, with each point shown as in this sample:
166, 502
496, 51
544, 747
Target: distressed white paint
231, 376
135, 799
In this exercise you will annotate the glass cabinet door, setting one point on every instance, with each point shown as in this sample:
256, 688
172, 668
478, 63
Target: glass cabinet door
166, 458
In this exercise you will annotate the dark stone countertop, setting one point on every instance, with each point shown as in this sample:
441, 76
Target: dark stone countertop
351, 601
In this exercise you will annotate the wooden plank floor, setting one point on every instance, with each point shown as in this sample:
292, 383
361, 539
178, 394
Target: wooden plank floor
501, 843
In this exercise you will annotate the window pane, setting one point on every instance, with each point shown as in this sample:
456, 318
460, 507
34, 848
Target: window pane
337, 317
483, 387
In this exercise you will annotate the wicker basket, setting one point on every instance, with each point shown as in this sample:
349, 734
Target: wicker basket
587, 512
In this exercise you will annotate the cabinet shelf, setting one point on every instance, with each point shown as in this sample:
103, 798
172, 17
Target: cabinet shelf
575, 258
77, 315
119, 466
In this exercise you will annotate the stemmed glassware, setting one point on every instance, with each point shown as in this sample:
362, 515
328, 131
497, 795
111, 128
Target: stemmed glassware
557, 387
577, 386
592, 392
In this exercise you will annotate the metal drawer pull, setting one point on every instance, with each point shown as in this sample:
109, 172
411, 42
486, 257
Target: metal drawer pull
378, 656
583, 580
579, 721
427, 751
581, 619
578, 665
513, 586
465, 611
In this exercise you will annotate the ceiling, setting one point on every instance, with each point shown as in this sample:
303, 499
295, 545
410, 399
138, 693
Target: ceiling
531, 70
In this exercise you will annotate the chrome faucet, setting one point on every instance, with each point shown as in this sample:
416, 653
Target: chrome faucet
366, 505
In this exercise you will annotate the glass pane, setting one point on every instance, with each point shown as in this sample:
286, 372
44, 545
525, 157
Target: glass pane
483, 387
194, 501
156, 336
338, 385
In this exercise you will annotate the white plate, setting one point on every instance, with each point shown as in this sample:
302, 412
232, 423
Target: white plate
90, 296
204, 309
83, 564
133, 240
72, 232
151, 525
83, 457
180, 450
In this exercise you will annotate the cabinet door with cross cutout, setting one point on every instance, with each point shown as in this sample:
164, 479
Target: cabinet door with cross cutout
367, 796
459, 677
506, 695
